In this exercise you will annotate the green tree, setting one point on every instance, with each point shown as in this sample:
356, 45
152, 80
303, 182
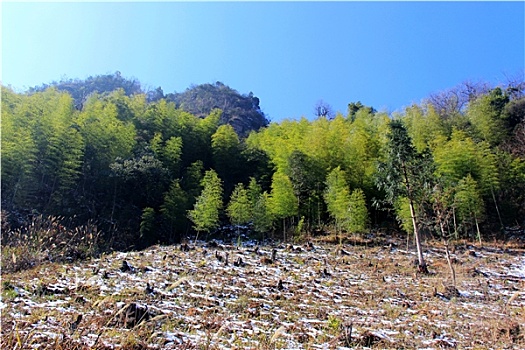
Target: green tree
205, 213
174, 209
226, 151
283, 202
490, 173
257, 164
424, 125
469, 203
403, 174
307, 178
362, 149
337, 196
347, 208
354, 107
460, 157
404, 215
208, 126
147, 224
145, 172
455, 158
105, 135
161, 118
169, 152
18, 152
357, 212
262, 215
239, 208
52, 121
107, 138
260, 209
80, 90
487, 117
191, 181
173, 152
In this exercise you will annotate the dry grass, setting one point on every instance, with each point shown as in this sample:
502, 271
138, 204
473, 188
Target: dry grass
46, 239
370, 296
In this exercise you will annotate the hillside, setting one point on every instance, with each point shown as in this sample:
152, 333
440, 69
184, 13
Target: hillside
242, 112
319, 295
143, 170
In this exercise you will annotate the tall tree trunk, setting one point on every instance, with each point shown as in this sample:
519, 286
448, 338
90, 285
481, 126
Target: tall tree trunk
284, 230
456, 233
17, 185
196, 237
497, 208
318, 209
422, 264
447, 254
445, 243
477, 229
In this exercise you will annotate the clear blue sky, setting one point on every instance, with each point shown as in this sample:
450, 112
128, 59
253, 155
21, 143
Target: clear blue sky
289, 54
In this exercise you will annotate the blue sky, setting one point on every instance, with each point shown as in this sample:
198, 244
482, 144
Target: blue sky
289, 54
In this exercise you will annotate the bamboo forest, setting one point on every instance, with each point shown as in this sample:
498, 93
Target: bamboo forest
103, 157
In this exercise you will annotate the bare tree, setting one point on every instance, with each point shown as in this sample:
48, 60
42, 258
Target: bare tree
453, 101
323, 109
515, 86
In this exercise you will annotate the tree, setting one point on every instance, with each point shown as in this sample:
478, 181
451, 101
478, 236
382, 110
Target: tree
469, 202
354, 107
191, 181
239, 208
85, 157
362, 149
145, 172
487, 117
174, 209
262, 215
283, 202
80, 90
169, 152
514, 112
226, 153
256, 165
18, 152
357, 212
403, 175
460, 157
347, 208
455, 158
307, 180
423, 126
259, 202
451, 103
337, 196
205, 212
147, 224
106, 137
51, 119
323, 110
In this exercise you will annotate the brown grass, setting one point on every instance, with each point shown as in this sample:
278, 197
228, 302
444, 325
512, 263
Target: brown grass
373, 297
46, 239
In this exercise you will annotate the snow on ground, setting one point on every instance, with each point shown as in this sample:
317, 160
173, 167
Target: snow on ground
222, 296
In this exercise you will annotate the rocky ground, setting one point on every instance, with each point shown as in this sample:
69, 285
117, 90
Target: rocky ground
311, 296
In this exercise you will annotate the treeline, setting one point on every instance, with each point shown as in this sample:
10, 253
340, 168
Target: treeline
148, 171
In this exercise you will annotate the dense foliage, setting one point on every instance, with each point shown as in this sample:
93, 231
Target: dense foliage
147, 170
